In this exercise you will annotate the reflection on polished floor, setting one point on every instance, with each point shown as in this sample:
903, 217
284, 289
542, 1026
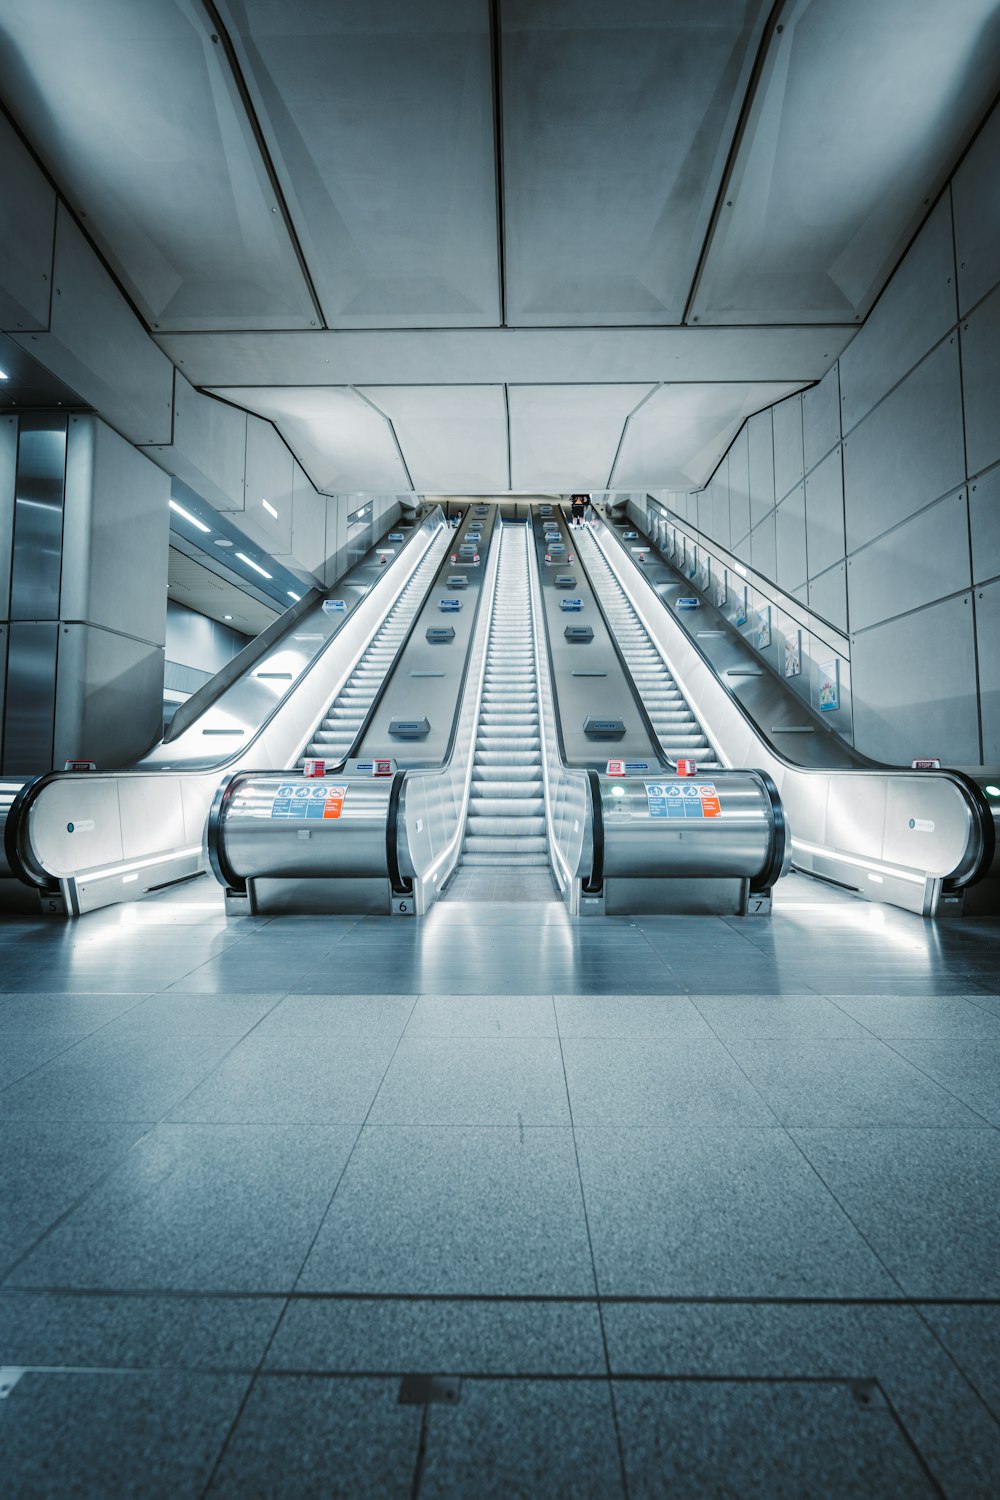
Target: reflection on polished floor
681, 1206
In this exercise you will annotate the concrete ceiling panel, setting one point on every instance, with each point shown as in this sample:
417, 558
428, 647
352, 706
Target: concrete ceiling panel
343, 444
134, 111
454, 438
379, 120
617, 123
565, 438
861, 112
675, 440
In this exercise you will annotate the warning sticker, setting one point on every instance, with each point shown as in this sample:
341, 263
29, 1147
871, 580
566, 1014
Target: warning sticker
314, 802
675, 800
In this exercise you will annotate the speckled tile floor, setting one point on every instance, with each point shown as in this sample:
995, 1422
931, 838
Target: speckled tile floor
666, 1206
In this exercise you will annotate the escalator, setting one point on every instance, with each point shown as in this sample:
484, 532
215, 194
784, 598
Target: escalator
501, 787
680, 734
305, 687
924, 840
505, 825
339, 728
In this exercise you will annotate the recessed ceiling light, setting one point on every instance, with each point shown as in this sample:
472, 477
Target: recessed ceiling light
223, 541
186, 515
251, 564
227, 617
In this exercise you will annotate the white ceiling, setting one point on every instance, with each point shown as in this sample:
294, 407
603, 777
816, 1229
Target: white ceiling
448, 245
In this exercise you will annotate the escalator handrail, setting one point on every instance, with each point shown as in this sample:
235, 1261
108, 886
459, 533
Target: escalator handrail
979, 809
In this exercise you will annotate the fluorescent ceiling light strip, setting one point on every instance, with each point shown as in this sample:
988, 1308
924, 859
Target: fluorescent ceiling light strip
296, 597
140, 864
871, 866
3, 375
251, 564
269, 508
187, 516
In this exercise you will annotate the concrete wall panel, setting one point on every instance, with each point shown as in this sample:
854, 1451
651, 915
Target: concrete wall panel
720, 504
828, 596
761, 465
825, 514
309, 513
790, 532
739, 485
912, 680
984, 517
97, 345
788, 458
976, 195
269, 478
208, 451
27, 232
981, 379
925, 559
913, 314
821, 418
908, 451
115, 534
988, 631
109, 696
763, 548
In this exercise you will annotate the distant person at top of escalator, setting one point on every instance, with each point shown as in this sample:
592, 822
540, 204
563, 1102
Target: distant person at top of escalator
577, 508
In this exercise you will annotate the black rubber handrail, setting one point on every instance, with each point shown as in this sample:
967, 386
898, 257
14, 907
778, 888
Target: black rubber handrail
595, 881
401, 884
767, 877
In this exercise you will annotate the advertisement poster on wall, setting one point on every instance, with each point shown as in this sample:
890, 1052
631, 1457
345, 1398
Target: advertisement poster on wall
740, 618
828, 695
722, 590
764, 628
793, 653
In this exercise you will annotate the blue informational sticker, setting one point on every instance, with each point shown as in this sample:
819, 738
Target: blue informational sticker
571, 604
671, 800
334, 606
449, 606
306, 800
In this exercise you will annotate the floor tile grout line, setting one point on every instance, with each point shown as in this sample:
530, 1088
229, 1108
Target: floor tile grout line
593, 1262
258, 1371
994, 1415
513, 1299
661, 961
813, 1168
350, 1154
74, 1043
154, 1125
922, 1462
987, 1124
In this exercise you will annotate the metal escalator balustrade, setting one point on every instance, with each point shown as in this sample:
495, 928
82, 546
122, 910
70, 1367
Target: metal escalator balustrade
506, 813
677, 728
338, 730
